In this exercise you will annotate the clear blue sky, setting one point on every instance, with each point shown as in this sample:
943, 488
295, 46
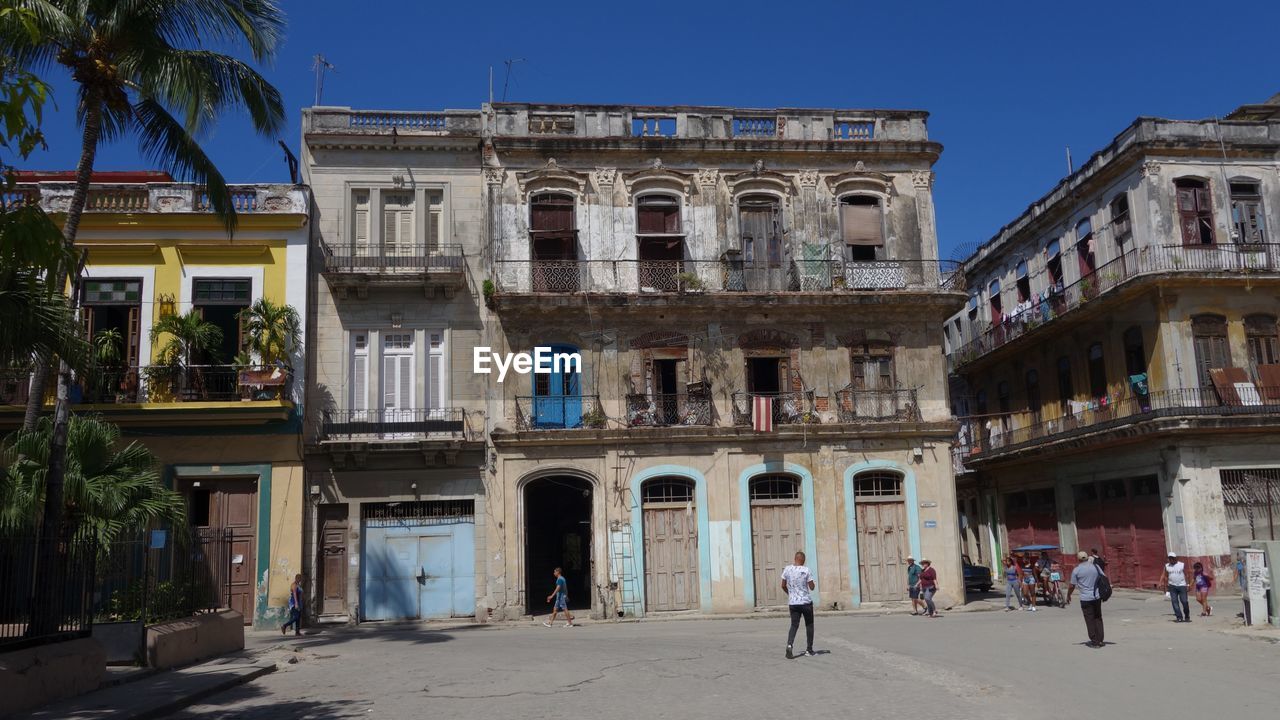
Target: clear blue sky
1009, 85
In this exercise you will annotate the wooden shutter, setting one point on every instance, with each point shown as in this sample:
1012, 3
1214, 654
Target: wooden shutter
390, 382
1250, 222
360, 219
861, 224
134, 334
405, 383
1187, 216
435, 371
434, 219
359, 379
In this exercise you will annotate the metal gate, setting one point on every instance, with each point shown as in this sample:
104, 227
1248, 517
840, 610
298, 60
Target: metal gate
1122, 519
1252, 500
777, 532
419, 560
882, 537
670, 545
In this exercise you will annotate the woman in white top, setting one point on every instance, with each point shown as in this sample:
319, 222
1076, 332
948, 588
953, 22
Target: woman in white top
1174, 579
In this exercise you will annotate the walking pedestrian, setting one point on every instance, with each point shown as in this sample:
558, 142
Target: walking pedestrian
798, 582
1098, 561
1174, 579
928, 587
1085, 576
295, 607
1203, 583
913, 590
1012, 588
560, 596
1029, 583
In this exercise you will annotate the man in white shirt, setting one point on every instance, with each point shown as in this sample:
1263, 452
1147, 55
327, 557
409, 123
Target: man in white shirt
1174, 579
798, 582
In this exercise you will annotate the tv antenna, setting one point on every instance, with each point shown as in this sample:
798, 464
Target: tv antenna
507, 80
320, 66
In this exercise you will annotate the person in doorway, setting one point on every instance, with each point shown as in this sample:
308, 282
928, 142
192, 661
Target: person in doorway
295, 607
1012, 587
928, 587
913, 589
560, 598
1174, 579
1203, 583
798, 582
1085, 577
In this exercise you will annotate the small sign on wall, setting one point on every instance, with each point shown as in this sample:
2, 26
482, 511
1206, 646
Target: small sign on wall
931, 523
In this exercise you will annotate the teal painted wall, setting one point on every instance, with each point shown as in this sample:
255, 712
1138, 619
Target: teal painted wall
851, 519
747, 567
704, 531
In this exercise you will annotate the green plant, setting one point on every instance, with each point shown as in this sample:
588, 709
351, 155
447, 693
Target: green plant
594, 418
185, 336
107, 345
689, 281
272, 332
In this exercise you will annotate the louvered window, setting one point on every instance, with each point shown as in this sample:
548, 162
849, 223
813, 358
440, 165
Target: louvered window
360, 219
397, 224
1246, 213
359, 372
1195, 212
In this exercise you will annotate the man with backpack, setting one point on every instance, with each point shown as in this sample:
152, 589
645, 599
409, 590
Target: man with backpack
1095, 588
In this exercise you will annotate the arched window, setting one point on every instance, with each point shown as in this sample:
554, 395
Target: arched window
1260, 330
1023, 282
775, 487
997, 307
1097, 372
1195, 211
1084, 247
1053, 264
1209, 333
879, 484
667, 490
862, 227
1120, 227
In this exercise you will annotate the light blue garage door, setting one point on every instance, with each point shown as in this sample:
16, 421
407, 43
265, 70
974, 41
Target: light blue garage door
419, 561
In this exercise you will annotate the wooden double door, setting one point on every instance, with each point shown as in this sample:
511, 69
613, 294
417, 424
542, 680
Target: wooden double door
882, 549
670, 557
227, 508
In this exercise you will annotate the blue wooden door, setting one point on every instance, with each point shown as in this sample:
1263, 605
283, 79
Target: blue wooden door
419, 571
391, 567
557, 401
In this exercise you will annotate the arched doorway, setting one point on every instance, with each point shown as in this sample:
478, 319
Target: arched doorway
557, 520
777, 532
670, 544
880, 504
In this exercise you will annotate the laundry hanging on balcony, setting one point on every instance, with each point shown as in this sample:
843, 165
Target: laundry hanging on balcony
762, 413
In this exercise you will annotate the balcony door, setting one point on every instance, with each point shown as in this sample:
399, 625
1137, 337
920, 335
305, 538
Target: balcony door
557, 396
398, 381
660, 243
760, 220
112, 322
554, 238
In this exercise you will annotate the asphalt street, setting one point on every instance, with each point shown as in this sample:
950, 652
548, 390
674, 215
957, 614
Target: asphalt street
964, 665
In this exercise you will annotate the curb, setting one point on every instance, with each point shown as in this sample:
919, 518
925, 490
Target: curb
175, 705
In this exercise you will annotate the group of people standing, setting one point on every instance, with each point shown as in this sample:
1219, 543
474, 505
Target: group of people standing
1024, 578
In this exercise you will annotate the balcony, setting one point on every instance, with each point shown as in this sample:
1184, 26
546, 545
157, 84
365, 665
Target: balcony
358, 267
391, 123
897, 404
697, 277
394, 425
1210, 261
669, 410
162, 198
559, 412
789, 408
999, 435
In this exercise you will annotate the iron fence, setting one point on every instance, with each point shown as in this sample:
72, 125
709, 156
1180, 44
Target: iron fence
162, 575
853, 405
789, 408
45, 589
559, 412
1059, 300
215, 383
394, 424
668, 409
404, 257
561, 276
986, 435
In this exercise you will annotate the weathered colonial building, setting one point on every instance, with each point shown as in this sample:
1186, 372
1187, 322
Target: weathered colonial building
224, 427
712, 269
1117, 361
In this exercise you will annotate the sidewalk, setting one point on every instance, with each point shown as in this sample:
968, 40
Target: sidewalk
154, 695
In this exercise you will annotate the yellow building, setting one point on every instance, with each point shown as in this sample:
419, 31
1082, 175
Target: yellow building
226, 433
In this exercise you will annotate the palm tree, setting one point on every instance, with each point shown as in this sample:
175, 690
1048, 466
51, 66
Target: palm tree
109, 490
136, 63
273, 331
185, 337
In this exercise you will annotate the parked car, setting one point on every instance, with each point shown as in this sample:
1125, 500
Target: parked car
976, 577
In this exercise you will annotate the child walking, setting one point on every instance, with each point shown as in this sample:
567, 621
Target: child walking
1204, 583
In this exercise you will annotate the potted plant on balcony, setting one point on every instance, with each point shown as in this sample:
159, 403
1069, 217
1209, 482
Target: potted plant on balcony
184, 337
488, 289
593, 418
273, 335
689, 282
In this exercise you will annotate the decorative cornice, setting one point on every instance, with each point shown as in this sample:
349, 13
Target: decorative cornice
494, 175
658, 174
604, 176
551, 176
922, 179
707, 177
807, 178
1149, 168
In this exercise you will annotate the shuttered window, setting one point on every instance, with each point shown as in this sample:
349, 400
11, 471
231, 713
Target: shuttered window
872, 366
657, 215
1195, 212
397, 374
435, 221
435, 370
397, 223
760, 222
360, 218
1260, 330
359, 371
861, 220
1120, 227
1212, 350
1246, 212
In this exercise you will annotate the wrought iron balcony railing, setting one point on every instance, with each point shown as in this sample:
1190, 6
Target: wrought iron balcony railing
668, 409
559, 412
789, 408
122, 384
428, 259
536, 276
382, 424
854, 405
1154, 260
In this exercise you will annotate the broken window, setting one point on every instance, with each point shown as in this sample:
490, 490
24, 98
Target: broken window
862, 227
1195, 211
1260, 330
1246, 212
760, 220
1120, 227
1024, 282
1053, 264
997, 308
1212, 351
1084, 248
872, 366
1097, 372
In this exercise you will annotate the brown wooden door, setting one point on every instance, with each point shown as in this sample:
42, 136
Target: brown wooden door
227, 509
333, 560
882, 546
670, 557
777, 532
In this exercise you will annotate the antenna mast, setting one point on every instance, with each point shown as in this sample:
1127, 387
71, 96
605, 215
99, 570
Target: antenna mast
507, 80
320, 66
